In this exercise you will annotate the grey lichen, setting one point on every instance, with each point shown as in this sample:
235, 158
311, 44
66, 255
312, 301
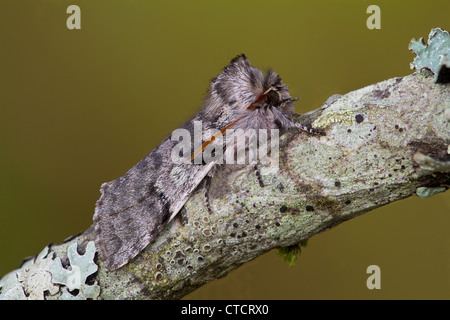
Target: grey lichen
425, 192
74, 276
30, 282
435, 55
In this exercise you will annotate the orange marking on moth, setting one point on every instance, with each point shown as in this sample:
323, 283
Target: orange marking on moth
221, 132
217, 135
260, 98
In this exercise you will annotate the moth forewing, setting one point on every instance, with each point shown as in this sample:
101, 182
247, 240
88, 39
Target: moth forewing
196, 180
134, 208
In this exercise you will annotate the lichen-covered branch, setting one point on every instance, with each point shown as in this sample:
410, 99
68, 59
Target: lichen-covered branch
383, 143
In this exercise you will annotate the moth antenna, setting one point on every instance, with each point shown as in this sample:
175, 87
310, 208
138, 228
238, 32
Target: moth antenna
288, 100
308, 129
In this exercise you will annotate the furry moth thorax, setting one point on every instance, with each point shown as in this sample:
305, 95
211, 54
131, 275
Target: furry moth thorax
243, 91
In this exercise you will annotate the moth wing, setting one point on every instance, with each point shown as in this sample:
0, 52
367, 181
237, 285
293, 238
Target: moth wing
134, 208
176, 206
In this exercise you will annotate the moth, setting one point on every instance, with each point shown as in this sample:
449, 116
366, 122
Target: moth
134, 208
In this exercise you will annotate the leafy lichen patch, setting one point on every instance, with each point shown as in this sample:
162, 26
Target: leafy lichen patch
74, 277
433, 55
30, 282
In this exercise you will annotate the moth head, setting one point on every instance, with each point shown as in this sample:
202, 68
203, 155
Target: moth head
275, 94
241, 87
237, 92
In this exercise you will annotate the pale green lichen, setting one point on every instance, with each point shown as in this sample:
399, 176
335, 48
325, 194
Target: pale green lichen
425, 192
30, 282
435, 55
74, 277
343, 116
85, 292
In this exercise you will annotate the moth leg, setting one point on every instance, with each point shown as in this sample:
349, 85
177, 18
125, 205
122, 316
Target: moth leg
287, 122
183, 216
257, 173
205, 186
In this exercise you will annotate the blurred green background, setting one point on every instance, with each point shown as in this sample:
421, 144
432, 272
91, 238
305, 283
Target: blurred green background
81, 107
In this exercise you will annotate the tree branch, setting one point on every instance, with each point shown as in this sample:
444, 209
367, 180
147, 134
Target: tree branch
383, 143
